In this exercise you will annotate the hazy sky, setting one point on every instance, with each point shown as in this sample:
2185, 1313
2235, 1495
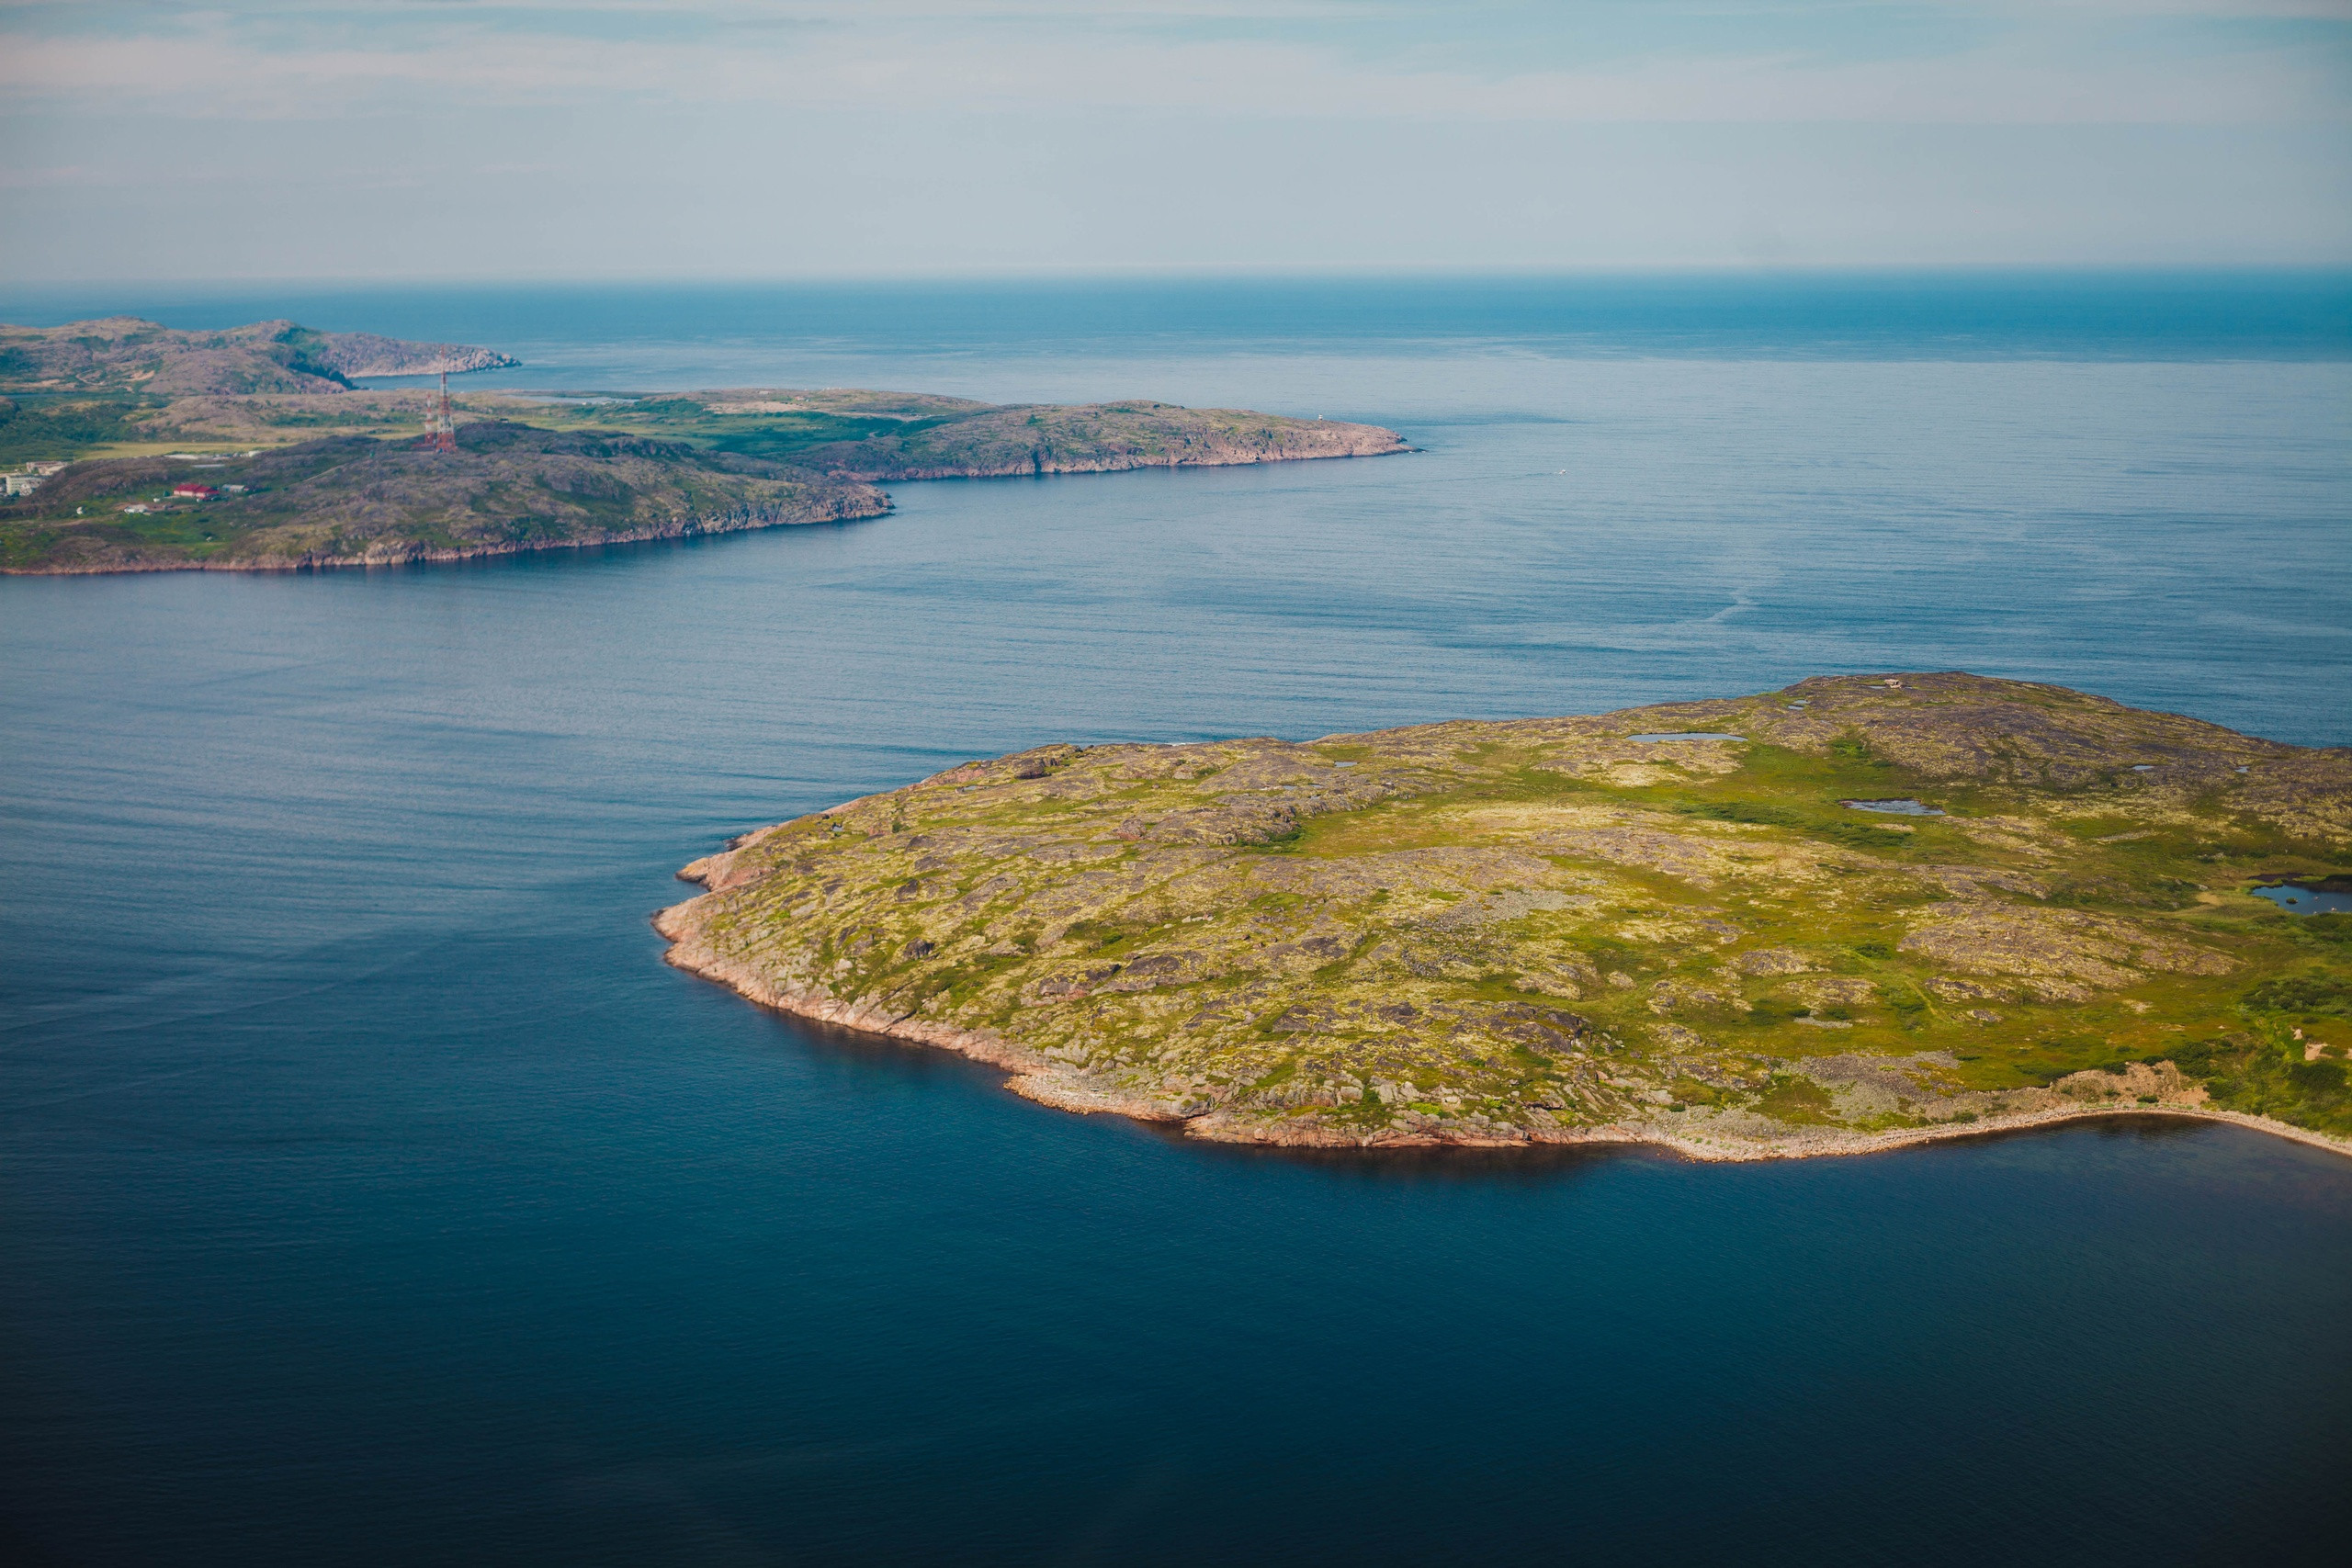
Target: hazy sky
744, 137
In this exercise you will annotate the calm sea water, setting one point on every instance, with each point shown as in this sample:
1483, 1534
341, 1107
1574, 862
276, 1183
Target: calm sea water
370, 1192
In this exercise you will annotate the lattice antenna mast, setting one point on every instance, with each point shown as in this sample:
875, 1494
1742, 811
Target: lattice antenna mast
445, 426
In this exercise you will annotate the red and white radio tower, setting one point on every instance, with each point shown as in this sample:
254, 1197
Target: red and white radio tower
441, 430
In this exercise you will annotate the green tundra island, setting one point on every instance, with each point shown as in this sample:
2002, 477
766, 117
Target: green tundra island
1859, 912
151, 449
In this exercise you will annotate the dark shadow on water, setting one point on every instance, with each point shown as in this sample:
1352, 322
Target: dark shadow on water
1525, 1165
560, 556
1519, 1166
908, 1062
2139, 1126
885, 1054
2152, 1127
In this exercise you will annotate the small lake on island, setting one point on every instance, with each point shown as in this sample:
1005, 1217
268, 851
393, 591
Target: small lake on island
2296, 899
373, 1193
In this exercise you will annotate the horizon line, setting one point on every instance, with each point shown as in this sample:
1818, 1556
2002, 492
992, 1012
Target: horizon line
1217, 273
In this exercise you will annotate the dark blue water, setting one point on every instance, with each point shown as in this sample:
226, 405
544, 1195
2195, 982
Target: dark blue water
370, 1192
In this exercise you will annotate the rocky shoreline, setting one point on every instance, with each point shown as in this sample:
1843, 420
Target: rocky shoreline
742, 521
1037, 1078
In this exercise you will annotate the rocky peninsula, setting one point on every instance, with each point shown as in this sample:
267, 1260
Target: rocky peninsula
1855, 913
251, 449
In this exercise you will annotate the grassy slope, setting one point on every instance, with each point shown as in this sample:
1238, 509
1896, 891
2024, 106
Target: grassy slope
74, 427
779, 426
34, 429
1494, 930
895, 436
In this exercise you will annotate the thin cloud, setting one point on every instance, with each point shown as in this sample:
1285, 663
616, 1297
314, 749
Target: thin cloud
735, 137
213, 67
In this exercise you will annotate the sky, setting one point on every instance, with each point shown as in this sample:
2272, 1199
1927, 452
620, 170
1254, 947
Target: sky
748, 139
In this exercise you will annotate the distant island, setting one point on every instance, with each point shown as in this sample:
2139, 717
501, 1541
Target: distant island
142, 448
1853, 914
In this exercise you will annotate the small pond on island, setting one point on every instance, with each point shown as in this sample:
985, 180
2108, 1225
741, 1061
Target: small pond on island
2324, 896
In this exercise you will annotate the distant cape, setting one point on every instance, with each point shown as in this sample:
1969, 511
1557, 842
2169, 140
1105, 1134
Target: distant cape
127, 354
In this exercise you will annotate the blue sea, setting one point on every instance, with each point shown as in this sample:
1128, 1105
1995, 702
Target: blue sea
370, 1192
